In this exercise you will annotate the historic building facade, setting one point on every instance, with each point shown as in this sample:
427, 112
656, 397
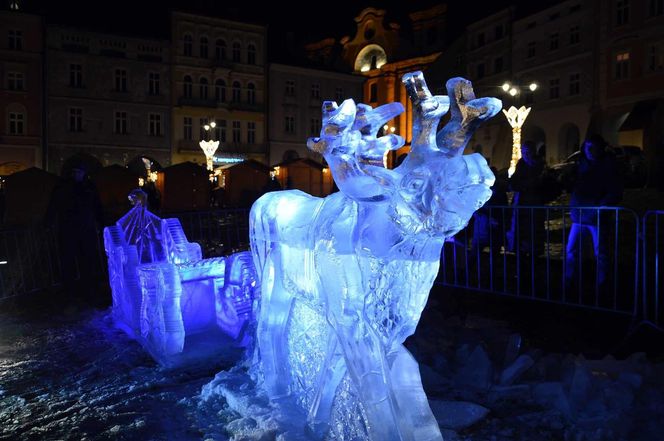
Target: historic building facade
219, 75
21, 93
108, 98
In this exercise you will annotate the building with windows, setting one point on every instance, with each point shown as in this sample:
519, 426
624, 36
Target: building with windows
296, 96
21, 94
219, 75
108, 98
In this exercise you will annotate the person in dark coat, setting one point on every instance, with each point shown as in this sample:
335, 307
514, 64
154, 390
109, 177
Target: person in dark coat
75, 212
488, 228
596, 182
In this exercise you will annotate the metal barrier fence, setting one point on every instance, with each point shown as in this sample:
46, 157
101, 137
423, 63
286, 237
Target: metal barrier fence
538, 253
653, 247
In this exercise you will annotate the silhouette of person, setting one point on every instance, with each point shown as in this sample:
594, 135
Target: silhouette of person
596, 182
488, 228
76, 213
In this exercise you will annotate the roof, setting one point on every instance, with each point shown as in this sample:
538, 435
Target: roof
307, 161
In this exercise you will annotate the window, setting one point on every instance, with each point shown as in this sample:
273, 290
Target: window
236, 132
338, 94
251, 133
153, 83
120, 80
75, 119
187, 126
121, 122
553, 41
480, 39
187, 86
16, 123
236, 52
220, 130
15, 39
220, 49
154, 124
251, 93
15, 81
75, 75
656, 57
498, 32
498, 65
531, 49
220, 91
251, 54
314, 127
289, 124
373, 93
315, 91
203, 47
621, 69
574, 84
656, 8
574, 35
236, 92
203, 88
622, 12
187, 45
554, 88
480, 70
290, 88
202, 133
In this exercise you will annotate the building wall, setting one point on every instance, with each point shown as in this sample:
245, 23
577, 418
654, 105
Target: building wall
298, 93
20, 91
100, 94
248, 71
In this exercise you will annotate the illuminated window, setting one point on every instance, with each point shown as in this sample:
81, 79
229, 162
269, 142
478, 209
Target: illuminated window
120, 80
289, 124
187, 125
121, 122
621, 66
153, 83
554, 88
220, 49
251, 54
251, 93
203, 88
574, 35
154, 124
203, 47
237, 92
622, 12
236, 132
290, 88
15, 81
574, 84
236, 52
220, 90
187, 44
16, 123
15, 38
75, 75
187, 86
75, 119
251, 132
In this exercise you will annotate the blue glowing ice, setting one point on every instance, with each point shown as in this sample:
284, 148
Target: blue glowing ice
164, 292
344, 279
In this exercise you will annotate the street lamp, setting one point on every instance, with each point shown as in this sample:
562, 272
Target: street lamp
516, 118
209, 147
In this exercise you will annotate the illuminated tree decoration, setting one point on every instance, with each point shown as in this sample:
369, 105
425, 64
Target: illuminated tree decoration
516, 118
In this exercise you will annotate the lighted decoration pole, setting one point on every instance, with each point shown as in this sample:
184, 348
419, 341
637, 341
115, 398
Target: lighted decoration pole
516, 118
209, 148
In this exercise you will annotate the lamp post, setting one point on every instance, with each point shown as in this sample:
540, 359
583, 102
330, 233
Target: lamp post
516, 118
209, 147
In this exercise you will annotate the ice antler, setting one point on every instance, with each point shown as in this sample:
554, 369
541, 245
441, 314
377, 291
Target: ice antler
354, 153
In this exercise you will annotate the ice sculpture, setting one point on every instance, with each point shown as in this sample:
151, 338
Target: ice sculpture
344, 279
164, 292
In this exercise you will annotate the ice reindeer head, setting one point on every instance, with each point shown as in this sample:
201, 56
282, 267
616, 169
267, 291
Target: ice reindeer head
344, 279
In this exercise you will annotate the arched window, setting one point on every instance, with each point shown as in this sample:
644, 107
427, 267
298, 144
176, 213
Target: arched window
187, 86
220, 90
203, 88
187, 45
251, 54
220, 49
236, 92
251, 93
236, 52
204, 47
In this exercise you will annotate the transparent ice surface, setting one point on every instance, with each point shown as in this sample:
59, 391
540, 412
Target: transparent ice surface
344, 279
164, 292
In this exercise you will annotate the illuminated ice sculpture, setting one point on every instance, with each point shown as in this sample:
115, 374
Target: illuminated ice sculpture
164, 292
344, 279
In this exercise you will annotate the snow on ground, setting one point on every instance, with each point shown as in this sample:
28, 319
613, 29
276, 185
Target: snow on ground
77, 377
